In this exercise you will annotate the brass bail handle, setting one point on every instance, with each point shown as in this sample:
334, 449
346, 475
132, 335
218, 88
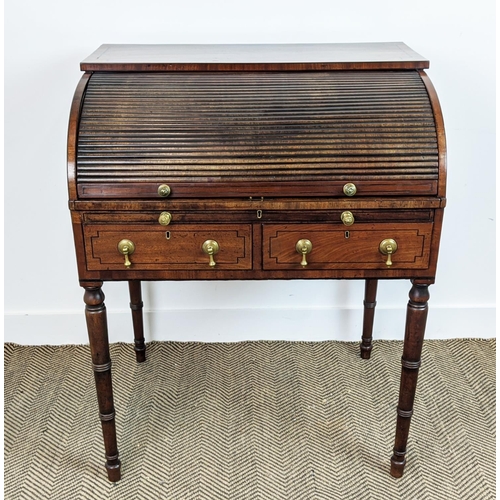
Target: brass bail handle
126, 248
303, 247
388, 247
210, 247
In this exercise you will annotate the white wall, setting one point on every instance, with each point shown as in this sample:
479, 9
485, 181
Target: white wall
44, 43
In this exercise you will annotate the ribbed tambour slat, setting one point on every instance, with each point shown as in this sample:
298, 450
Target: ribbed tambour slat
235, 127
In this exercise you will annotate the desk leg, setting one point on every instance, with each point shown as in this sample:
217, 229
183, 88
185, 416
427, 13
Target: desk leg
95, 314
369, 312
136, 304
416, 317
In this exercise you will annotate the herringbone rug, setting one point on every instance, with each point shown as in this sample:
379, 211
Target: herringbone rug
253, 420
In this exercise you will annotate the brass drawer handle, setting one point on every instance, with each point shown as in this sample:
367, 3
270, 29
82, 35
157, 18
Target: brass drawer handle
126, 248
164, 190
165, 218
303, 247
349, 189
388, 247
210, 247
347, 218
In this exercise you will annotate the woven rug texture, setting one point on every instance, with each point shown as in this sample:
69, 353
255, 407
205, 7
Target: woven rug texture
251, 420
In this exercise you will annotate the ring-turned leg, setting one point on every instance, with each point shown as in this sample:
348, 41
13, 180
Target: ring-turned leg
416, 317
136, 305
369, 304
95, 314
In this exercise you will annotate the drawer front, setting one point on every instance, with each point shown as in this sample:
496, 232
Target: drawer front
342, 247
171, 248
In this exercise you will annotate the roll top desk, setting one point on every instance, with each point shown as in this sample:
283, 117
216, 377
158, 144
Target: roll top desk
256, 162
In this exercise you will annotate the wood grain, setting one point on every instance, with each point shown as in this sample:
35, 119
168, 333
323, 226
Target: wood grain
283, 205
236, 134
354, 247
168, 248
440, 131
254, 57
74, 120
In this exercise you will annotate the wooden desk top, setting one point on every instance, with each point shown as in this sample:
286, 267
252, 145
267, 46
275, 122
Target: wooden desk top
257, 57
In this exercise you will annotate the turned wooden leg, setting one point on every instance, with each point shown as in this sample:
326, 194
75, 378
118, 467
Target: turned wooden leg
95, 313
416, 317
136, 304
369, 304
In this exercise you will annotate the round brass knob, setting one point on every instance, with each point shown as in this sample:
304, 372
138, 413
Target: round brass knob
349, 189
164, 190
126, 248
388, 247
210, 247
347, 218
303, 247
165, 218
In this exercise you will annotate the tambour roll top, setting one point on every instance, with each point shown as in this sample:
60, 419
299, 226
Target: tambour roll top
217, 134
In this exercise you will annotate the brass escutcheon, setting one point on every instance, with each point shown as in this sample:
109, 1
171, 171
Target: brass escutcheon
165, 218
347, 218
126, 248
349, 189
164, 190
303, 247
388, 247
210, 247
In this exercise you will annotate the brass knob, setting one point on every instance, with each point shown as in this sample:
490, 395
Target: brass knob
303, 247
349, 189
165, 218
347, 218
210, 247
388, 247
126, 248
164, 190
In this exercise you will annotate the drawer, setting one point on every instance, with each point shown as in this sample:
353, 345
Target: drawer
342, 247
177, 248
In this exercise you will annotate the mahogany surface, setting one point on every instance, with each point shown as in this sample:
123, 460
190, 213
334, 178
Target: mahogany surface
136, 306
257, 144
254, 57
95, 314
369, 312
235, 134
